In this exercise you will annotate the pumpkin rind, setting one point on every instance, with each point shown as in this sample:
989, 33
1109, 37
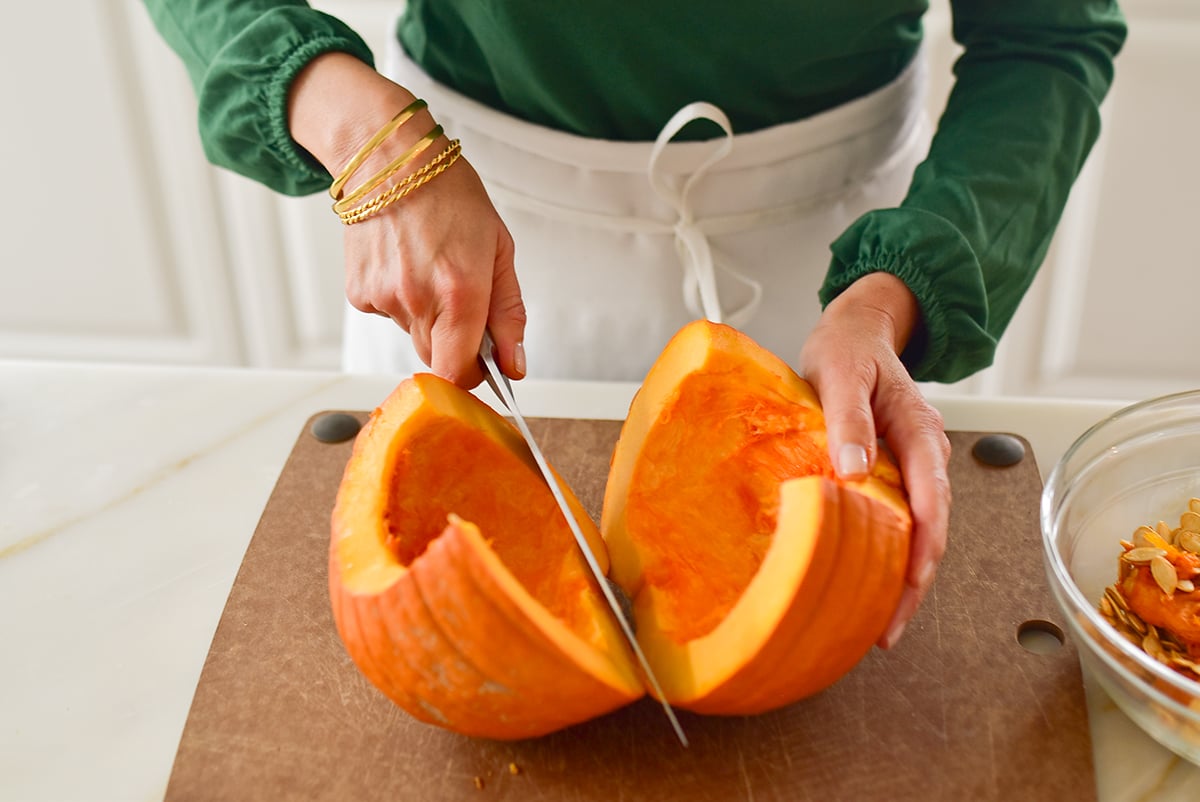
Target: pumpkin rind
454, 638
827, 583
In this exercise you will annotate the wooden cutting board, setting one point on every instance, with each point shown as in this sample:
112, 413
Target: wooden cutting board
959, 710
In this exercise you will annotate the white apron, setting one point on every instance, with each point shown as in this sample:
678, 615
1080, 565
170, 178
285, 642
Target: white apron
619, 244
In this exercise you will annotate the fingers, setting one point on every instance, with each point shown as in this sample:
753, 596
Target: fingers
846, 399
506, 312
916, 435
456, 333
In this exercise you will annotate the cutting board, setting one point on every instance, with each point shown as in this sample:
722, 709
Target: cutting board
959, 710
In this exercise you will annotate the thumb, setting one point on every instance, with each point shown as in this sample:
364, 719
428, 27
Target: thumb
506, 312
850, 424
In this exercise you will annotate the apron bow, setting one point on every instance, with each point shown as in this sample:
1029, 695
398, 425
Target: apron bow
699, 264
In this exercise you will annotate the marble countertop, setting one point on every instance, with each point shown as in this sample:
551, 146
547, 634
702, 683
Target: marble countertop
128, 496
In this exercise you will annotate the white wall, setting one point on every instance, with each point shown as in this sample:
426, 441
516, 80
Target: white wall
123, 244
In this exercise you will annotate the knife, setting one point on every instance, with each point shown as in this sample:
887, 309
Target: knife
623, 613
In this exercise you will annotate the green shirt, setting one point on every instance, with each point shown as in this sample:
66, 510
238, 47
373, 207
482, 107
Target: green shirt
967, 239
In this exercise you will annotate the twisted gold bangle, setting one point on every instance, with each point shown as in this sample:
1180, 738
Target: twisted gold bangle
384, 199
410, 183
403, 116
396, 165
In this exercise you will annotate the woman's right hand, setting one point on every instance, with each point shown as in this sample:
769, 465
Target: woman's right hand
439, 262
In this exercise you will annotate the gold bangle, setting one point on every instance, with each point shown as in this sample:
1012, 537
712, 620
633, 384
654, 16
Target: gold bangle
390, 196
357, 216
403, 116
396, 165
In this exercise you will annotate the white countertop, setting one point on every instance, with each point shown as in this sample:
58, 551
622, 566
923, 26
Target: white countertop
128, 496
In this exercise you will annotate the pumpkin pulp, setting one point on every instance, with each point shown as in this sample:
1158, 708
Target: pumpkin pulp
480, 492
465, 473
741, 549
707, 507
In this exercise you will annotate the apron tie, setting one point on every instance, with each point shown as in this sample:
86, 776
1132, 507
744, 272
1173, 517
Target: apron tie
695, 254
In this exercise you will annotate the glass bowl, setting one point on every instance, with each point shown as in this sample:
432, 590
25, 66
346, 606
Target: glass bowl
1138, 466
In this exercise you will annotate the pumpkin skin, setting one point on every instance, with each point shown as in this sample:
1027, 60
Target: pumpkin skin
498, 634
758, 578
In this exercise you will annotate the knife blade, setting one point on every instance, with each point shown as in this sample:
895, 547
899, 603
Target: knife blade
503, 390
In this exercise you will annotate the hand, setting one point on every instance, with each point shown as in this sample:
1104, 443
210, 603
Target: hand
440, 261
852, 361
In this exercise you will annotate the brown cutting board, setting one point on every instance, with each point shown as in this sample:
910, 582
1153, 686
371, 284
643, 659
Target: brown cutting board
959, 710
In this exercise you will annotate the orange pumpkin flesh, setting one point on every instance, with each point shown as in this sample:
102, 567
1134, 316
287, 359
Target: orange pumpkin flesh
497, 633
758, 578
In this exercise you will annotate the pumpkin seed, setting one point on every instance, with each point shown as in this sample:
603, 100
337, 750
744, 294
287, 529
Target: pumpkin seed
1164, 574
1194, 504
1186, 586
1190, 521
1151, 645
1143, 555
1157, 540
1139, 535
1113, 595
1190, 541
1180, 660
1131, 636
1163, 530
1106, 608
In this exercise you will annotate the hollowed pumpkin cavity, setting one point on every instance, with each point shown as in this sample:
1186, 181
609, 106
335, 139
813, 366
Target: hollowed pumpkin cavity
757, 576
462, 471
705, 507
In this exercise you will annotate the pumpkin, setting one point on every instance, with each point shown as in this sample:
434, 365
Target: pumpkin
757, 576
496, 633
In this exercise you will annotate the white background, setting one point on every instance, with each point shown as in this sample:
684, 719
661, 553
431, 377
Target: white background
123, 244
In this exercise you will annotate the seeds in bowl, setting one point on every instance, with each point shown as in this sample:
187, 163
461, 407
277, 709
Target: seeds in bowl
1155, 603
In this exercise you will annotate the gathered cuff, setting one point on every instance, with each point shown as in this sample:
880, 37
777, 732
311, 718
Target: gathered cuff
243, 97
937, 264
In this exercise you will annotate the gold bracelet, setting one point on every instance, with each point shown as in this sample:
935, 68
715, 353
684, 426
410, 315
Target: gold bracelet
388, 197
357, 216
403, 116
396, 165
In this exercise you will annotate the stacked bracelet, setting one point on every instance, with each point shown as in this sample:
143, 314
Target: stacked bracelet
395, 166
354, 207
434, 168
339, 183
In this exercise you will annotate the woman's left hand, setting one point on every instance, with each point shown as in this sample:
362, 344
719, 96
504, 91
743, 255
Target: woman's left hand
852, 360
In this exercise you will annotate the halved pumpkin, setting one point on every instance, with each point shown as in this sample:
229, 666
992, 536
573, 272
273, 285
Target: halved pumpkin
497, 633
757, 577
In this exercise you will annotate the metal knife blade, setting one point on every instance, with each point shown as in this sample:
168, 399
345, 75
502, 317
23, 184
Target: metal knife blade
503, 390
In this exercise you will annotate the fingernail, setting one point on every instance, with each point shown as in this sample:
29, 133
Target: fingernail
893, 634
519, 359
852, 460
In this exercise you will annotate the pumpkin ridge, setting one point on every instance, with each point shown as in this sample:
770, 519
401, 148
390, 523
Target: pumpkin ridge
411, 609
383, 673
579, 693
752, 686
768, 688
848, 651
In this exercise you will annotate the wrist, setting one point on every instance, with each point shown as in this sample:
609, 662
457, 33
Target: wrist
337, 102
884, 303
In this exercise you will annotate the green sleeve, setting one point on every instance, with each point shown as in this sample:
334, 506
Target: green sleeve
242, 56
982, 207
